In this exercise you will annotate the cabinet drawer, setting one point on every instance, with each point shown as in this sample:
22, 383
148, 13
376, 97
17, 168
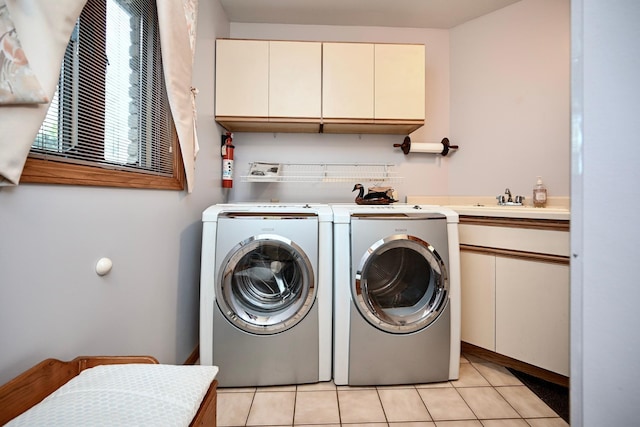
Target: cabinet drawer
517, 239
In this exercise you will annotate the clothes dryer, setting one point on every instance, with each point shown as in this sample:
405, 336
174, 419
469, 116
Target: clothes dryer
397, 294
266, 293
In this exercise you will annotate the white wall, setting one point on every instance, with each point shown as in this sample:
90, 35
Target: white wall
510, 100
605, 342
52, 303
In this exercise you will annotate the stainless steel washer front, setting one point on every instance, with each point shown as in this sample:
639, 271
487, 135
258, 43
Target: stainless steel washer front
401, 284
399, 319
266, 284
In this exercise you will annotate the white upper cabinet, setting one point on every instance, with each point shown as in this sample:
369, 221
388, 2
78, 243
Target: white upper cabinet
264, 85
347, 80
295, 79
291, 86
373, 81
242, 78
399, 82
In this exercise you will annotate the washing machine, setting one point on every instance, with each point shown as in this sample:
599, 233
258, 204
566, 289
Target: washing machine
266, 293
396, 294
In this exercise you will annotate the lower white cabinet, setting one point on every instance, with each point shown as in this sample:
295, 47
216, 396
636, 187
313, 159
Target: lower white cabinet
532, 312
478, 279
515, 302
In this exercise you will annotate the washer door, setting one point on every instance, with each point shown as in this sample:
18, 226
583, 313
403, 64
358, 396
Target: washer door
266, 285
401, 284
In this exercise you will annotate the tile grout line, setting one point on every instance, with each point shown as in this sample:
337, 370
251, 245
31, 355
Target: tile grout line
466, 403
490, 385
500, 394
255, 391
424, 403
338, 402
386, 419
494, 389
295, 400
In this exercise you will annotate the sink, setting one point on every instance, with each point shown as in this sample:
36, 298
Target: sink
557, 209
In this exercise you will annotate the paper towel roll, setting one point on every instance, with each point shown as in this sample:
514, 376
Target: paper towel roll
427, 147
443, 147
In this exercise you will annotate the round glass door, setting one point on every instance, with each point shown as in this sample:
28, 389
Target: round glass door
401, 284
266, 285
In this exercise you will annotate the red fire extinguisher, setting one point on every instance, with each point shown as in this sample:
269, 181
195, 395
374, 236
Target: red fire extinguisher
226, 151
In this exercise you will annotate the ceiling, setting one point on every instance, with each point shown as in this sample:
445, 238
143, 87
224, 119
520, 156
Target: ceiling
379, 13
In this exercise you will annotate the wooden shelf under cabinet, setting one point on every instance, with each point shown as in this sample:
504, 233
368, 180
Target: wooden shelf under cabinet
302, 125
269, 124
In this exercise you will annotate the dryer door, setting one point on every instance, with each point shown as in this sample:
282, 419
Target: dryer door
401, 284
266, 285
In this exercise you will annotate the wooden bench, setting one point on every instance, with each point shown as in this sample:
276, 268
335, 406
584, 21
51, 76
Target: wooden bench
34, 385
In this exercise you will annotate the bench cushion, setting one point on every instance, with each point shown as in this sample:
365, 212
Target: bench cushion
124, 395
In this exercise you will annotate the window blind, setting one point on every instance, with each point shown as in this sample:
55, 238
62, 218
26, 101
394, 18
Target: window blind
110, 109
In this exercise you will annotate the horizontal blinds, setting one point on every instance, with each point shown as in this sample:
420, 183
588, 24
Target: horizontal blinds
111, 109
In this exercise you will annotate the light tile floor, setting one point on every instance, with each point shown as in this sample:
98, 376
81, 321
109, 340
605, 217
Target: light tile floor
485, 395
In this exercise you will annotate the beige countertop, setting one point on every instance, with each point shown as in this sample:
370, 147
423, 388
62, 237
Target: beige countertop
557, 207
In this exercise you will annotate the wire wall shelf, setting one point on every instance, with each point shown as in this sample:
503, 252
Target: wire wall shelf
320, 172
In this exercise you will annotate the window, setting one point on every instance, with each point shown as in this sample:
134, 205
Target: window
109, 123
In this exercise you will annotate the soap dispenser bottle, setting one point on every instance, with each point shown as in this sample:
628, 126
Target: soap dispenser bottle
539, 194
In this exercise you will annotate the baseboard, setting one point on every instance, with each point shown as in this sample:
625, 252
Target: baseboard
193, 357
508, 362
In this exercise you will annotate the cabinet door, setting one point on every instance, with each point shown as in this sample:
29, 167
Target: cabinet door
295, 79
347, 80
399, 81
532, 312
242, 78
477, 277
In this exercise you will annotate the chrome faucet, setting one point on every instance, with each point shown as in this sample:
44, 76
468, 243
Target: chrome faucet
506, 199
508, 193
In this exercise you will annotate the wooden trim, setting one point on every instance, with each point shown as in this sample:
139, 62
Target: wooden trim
373, 121
38, 171
179, 172
536, 224
274, 124
207, 412
193, 357
348, 121
371, 126
86, 362
240, 119
509, 362
32, 386
313, 120
52, 171
266, 120
312, 41
57, 171
318, 125
509, 253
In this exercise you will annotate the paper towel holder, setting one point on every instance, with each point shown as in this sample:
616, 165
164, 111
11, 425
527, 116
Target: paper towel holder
444, 149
